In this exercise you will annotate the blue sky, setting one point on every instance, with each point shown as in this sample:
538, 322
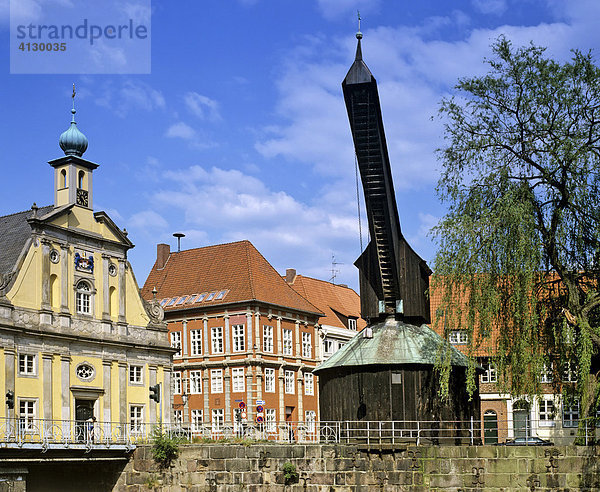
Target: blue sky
240, 130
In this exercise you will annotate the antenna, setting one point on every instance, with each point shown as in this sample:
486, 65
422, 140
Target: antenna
334, 270
178, 235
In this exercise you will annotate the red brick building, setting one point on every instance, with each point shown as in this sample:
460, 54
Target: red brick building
246, 338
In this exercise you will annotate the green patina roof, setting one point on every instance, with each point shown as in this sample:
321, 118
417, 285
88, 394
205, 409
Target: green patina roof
393, 342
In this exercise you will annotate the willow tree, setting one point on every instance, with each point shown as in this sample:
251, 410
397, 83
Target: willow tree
519, 249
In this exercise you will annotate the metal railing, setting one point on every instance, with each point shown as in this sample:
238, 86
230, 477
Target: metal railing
46, 434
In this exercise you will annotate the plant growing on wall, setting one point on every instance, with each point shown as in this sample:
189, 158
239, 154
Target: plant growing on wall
289, 473
164, 448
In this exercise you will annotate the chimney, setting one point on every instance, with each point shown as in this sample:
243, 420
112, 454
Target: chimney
163, 251
290, 275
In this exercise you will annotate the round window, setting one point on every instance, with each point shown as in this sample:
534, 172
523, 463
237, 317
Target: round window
54, 256
112, 270
85, 372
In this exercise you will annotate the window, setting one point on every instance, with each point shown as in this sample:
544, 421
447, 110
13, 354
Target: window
546, 413
287, 342
458, 337
571, 414
176, 382
306, 345
269, 380
220, 295
195, 382
85, 372
135, 374
329, 345
267, 338
83, 304
27, 365
309, 383
270, 420
289, 382
237, 380
200, 297
27, 414
216, 339
237, 420
176, 342
181, 300
80, 182
310, 417
490, 374
136, 418
172, 301
217, 419
210, 296
351, 324
216, 381
196, 420
196, 342
178, 417
164, 301
570, 373
547, 373
63, 179
239, 338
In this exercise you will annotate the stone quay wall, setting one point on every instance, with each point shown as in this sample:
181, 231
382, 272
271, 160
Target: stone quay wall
259, 467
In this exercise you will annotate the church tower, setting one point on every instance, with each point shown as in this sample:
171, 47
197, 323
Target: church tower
72, 173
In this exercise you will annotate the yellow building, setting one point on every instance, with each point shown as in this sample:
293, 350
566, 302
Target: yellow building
76, 339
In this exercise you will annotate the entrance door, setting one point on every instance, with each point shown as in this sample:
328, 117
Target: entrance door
521, 422
490, 427
84, 410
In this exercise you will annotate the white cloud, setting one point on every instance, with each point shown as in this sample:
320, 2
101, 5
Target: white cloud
129, 96
147, 219
203, 107
181, 130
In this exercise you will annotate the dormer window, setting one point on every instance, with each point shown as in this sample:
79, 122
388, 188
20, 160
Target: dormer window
83, 298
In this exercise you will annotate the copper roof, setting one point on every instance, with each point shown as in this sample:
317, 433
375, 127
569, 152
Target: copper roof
237, 268
333, 300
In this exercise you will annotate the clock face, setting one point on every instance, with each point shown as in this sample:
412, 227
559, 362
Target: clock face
82, 198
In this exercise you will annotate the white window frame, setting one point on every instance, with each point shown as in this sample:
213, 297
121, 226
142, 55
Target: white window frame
352, 324
270, 420
239, 337
490, 374
547, 375
136, 374
196, 342
331, 343
267, 338
238, 384
571, 414
27, 414
570, 372
178, 417
288, 344
216, 381
136, 419
289, 382
547, 412
196, 382
218, 419
310, 419
176, 382
83, 298
309, 384
197, 420
28, 365
269, 380
306, 345
176, 342
458, 337
216, 339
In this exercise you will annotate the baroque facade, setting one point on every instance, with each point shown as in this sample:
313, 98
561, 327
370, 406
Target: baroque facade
77, 341
246, 340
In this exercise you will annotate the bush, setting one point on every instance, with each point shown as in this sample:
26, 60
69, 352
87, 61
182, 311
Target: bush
164, 448
289, 473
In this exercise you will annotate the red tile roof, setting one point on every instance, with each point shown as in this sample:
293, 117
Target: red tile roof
236, 267
331, 299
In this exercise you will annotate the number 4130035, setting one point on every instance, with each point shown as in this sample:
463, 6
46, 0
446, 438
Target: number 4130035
43, 46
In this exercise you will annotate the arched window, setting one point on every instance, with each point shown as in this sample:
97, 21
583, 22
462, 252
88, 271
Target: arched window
80, 182
63, 179
83, 298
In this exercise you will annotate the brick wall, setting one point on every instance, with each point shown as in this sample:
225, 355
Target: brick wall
340, 468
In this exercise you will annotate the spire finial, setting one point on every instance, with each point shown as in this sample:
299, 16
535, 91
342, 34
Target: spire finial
358, 34
73, 142
73, 97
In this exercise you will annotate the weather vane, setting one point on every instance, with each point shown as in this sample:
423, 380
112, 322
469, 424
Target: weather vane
358, 14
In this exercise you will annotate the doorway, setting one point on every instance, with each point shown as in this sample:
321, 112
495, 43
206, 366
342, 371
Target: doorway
521, 422
84, 410
490, 427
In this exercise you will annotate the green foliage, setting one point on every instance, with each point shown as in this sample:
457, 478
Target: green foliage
164, 448
519, 248
289, 472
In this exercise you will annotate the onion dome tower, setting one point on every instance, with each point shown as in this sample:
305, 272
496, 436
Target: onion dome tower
386, 372
72, 173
